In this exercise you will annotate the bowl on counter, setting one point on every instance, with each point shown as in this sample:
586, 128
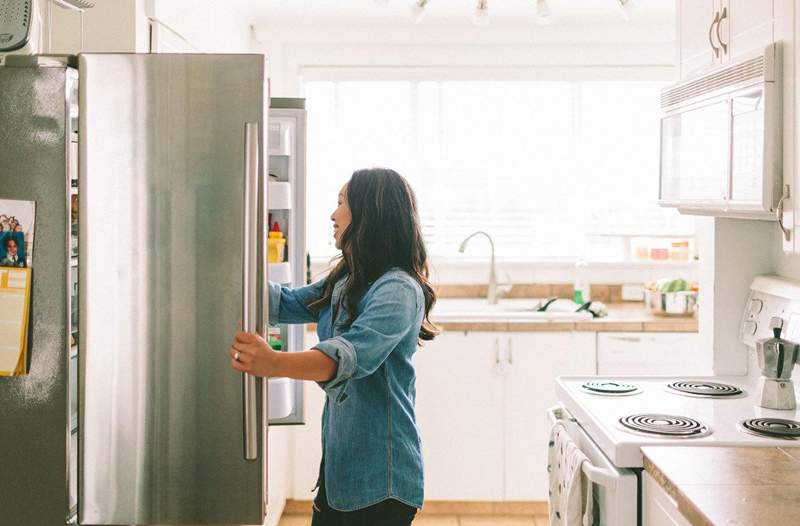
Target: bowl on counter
682, 303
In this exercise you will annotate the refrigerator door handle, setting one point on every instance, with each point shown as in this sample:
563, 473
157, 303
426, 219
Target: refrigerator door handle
249, 268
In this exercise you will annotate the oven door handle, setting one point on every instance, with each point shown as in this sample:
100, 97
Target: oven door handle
557, 415
601, 477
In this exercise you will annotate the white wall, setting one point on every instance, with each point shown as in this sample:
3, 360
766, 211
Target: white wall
208, 26
124, 26
119, 26
303, 47
735, 251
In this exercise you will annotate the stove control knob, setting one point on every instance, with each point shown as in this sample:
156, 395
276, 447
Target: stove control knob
750, 328
756, 306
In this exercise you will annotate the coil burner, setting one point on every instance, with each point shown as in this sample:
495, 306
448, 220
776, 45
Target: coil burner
672, 426
610, 388
704, 389
772, 428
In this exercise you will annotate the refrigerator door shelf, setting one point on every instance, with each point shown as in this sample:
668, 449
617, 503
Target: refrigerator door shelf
279, 196
281, 399
280, 272
279, 138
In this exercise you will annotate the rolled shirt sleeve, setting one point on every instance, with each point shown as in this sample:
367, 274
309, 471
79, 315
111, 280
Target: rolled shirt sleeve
389, 313
289, 305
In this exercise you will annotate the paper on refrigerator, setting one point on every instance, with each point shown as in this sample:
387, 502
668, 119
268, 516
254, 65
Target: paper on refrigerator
17, 220
15, 292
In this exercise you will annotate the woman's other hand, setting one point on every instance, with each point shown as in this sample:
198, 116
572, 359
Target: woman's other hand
251, 354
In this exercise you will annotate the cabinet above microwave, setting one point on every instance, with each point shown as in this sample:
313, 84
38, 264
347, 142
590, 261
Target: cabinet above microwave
721, 138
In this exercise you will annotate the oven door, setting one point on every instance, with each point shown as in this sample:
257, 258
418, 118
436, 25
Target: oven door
616, 490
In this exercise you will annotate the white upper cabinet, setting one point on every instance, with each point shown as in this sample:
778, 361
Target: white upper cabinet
697, 50
712, 33
748, 26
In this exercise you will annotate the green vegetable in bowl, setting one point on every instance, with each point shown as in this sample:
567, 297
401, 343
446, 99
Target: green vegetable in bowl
673, 285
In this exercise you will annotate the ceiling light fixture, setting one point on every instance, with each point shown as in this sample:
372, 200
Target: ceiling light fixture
627, 7
481, 17
418, 10
542, 13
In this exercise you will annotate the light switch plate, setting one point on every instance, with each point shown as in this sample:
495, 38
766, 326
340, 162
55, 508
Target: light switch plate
632, 292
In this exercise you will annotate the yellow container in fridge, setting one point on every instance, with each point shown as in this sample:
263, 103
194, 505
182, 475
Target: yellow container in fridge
276, 244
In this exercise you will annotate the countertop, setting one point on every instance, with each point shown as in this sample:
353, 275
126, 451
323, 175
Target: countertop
622, 317
721, 486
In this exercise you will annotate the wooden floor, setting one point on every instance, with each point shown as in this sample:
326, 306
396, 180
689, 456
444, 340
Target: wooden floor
447, 513
443, 520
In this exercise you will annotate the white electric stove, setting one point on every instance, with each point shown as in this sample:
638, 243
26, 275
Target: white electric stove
611, 418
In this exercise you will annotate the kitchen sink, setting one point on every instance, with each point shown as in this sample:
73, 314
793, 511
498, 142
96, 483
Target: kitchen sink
465, 310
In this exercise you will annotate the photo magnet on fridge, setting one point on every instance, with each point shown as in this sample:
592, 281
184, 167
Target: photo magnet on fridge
16, 233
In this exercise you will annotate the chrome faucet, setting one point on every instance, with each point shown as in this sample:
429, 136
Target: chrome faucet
491, 292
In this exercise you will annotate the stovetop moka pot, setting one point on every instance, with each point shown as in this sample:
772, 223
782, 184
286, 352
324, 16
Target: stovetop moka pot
776, 359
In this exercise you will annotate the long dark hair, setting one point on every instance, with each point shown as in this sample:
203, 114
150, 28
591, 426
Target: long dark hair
384, 233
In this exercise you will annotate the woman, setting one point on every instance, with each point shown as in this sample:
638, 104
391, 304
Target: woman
371, 311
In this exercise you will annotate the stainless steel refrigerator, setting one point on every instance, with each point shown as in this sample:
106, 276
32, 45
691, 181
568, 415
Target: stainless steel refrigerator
167, 157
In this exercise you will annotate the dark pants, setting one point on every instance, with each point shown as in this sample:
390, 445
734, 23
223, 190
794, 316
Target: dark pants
389, 512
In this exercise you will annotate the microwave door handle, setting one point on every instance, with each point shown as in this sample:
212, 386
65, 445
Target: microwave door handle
710, 32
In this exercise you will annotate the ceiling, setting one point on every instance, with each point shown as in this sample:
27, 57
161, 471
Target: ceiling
439, 10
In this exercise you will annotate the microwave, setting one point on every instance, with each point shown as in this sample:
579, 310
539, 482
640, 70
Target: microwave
721, 140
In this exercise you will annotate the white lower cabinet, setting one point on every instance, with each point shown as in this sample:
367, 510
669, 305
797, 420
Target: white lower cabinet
481, 405
658, 508
536, 359
460, 415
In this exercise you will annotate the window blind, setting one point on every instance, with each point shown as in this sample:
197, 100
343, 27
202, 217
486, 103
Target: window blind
547, 168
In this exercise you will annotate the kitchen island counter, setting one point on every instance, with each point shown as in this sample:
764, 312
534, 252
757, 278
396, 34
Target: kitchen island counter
716, 486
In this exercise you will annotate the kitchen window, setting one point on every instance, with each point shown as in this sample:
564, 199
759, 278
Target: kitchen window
553, 170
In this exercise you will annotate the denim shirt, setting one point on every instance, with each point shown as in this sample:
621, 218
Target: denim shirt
370, 442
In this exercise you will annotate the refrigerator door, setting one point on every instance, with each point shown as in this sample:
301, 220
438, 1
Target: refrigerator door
172, 235
34, 159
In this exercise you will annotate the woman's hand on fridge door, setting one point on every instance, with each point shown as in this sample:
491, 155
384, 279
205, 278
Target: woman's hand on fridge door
251, 354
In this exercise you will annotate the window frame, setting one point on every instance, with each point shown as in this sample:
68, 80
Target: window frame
466, 266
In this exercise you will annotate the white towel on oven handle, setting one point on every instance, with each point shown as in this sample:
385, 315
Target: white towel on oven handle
568, 485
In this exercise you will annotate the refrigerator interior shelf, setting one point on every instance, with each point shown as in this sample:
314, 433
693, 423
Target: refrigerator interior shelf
279, 195
280, 272
73, 261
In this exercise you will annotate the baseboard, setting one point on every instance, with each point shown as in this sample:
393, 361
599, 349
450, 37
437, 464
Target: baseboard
450, 507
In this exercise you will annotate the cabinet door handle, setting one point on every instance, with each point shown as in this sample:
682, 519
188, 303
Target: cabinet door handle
510, 354
787, 232
710, 31
722, 17
497, 352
